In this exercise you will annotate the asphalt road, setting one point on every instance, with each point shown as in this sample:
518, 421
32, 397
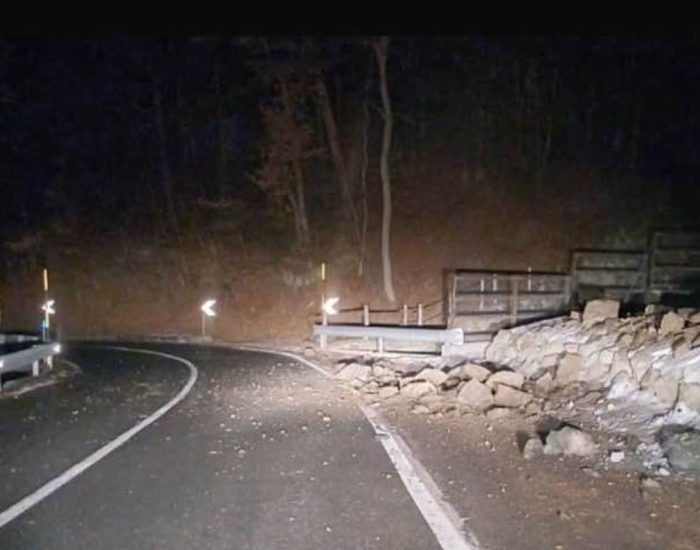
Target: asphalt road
263, 453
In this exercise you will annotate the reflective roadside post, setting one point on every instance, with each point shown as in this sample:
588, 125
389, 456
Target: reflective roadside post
207, 311
46, 325
328, 309
48, 308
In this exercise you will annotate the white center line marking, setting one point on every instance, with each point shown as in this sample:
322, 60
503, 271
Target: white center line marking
56, 483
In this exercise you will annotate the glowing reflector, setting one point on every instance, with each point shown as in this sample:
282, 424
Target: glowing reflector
207, 308
329, 306
48, 307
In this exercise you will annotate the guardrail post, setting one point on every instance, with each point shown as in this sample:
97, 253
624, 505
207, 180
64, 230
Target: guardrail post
420, 315
35, 368
404, 317
323, 339
514, 301
482, 289
365, 315
380, 345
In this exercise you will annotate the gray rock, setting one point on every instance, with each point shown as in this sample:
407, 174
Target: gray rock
388, 391
507, 378
596, 370
533, 409
690, 395
544, 384
591, 347
417, 389
671, 323
692, 336
686, 312
569, 370
382, 373
509, 397
641, 364
570, 441
472, 371
550, 361
683, 451
355, 371
649, 484
433, 402
533, 448
599, 310
475, 395
621, 363
664, 388
434, 376
616, 456
455, 372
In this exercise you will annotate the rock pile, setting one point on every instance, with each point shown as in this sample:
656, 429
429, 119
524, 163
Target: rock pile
625, 354
466, 386
643, 372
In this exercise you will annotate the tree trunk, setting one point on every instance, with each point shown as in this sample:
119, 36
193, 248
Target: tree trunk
341, 171
299, 200
166, 176
381, 46
220, 136
363, 185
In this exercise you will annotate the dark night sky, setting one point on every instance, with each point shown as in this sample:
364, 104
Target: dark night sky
80, 134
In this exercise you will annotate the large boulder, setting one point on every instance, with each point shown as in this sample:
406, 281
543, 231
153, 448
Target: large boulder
475, 395
472, 371
388, 391
355, 371
599, 310
434, 376
506, 378
533, 448
662, 387
671, 323
682, 450
570, 441
509, 397
417, 389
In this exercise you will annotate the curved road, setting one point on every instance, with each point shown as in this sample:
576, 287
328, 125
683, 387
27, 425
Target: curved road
262, 453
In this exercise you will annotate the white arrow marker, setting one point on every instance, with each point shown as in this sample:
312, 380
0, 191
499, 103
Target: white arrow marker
329, 306
48, 307
207, 308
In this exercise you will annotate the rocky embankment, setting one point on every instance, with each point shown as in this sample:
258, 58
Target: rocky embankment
635, 380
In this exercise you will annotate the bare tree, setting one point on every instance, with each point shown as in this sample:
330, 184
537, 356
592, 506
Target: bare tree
381, 47
285, 149
166, 173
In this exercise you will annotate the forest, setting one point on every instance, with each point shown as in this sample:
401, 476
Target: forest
146, 172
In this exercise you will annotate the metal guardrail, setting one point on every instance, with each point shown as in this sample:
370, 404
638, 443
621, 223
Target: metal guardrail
381, 334
12, 338
28, 359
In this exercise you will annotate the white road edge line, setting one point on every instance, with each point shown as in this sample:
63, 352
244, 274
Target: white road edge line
56, 483
438, 514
